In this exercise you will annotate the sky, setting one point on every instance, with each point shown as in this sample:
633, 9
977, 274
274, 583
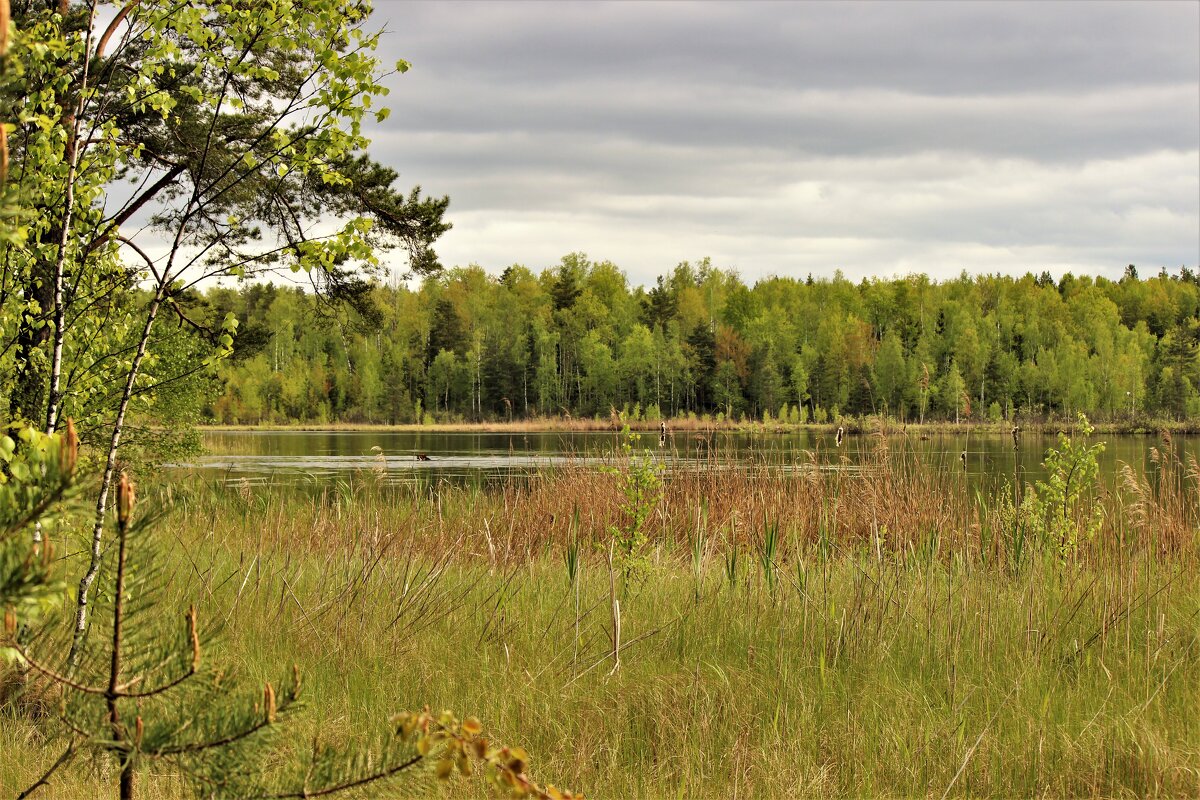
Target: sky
793, 138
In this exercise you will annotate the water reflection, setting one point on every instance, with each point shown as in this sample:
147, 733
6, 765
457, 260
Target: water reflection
274, 457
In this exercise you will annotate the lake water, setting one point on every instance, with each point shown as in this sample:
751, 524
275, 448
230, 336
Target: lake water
272, 457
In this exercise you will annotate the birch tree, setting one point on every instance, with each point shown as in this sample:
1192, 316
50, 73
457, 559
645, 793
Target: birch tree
237, 129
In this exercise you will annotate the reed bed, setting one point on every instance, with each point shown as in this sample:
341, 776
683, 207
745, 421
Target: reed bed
803, 629
888, 501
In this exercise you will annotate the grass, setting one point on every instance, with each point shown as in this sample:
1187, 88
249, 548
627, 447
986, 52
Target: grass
873, 636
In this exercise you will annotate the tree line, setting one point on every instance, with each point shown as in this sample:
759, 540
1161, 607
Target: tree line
578, 340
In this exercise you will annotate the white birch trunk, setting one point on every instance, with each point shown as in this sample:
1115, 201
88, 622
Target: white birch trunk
85, 583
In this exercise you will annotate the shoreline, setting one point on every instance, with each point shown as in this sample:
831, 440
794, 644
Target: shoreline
852, 426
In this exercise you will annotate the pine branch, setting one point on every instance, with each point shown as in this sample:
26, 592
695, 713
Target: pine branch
57, 677
266, 720
199, 747
343, 787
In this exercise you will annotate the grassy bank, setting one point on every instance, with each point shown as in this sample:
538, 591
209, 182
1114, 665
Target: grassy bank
888, 639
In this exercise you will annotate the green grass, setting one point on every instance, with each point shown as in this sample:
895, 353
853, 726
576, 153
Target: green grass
904, 671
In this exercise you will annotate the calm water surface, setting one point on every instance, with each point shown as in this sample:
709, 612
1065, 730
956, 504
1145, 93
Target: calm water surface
272, 457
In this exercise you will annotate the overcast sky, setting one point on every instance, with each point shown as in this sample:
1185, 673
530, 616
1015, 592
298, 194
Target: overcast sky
787, 138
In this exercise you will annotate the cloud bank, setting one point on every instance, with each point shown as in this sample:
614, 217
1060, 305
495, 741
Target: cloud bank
789, 138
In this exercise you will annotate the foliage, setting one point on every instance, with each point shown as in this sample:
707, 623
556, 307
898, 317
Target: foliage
239, 131
1010, 528
144, 694
456, 746
1062, 509
640, 484
471, 345
35, 481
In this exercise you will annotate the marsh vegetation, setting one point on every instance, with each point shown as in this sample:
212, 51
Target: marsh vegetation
825, 632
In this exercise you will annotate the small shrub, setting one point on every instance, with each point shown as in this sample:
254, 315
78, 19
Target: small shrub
641, 487
1061, 509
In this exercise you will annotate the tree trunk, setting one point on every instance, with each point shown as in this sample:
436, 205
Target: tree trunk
85, 584
55, 395
117, 729
71, 151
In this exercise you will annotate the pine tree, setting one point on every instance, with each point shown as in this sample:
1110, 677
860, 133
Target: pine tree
144, 691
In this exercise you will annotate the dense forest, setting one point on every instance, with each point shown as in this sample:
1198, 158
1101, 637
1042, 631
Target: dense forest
578, 340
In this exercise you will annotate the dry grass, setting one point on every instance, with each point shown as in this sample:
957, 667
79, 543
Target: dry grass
885, 501
899, 652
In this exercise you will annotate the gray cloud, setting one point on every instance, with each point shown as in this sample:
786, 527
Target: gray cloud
785, 138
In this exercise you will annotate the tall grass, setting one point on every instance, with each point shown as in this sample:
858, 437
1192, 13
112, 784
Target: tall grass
888, 642
889, 501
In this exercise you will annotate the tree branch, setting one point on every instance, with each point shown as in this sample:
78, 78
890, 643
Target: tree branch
62, 761
132, 208
342, 787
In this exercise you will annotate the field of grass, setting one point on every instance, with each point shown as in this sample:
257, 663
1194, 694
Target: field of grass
822, 633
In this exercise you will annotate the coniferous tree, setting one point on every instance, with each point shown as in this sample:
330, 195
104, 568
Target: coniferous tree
144, 690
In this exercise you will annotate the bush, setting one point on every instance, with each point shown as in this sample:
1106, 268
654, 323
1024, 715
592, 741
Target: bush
1062, 509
